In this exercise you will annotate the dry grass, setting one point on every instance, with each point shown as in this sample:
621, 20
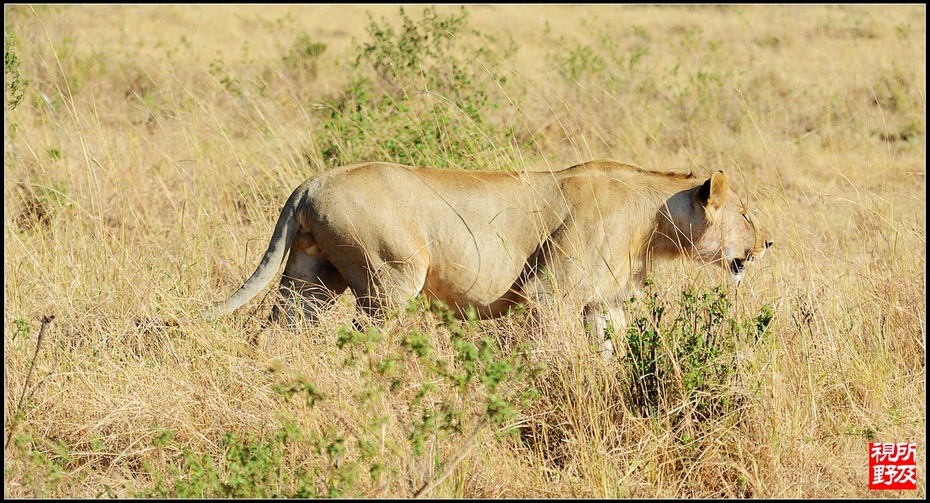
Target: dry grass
153, 146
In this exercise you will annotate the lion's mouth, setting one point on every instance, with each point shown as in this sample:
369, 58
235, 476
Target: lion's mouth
737, 266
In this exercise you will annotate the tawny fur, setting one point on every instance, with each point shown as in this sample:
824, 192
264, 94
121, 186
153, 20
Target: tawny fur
490, 240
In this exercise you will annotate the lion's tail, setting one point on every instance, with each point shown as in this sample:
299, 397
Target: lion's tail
281, 239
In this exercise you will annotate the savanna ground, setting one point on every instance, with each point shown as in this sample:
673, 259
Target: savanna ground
147, 152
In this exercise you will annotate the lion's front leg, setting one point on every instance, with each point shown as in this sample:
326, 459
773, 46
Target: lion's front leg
605, 322
550, 307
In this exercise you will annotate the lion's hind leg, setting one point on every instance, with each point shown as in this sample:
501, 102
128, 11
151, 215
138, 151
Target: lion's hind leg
309, 285
389, 284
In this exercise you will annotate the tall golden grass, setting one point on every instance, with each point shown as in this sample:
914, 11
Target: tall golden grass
152, 147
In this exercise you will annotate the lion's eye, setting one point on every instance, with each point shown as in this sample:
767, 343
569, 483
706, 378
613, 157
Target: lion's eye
746, 217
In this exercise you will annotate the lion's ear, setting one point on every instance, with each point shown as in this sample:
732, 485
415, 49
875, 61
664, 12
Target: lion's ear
713, 193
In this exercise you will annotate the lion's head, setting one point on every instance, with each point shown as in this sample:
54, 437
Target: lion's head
712, 225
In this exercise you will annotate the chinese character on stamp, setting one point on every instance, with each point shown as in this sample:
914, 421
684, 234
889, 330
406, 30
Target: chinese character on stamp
892, 465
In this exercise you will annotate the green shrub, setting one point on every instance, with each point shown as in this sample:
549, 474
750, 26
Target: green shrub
249, 468
302, 59
423, 95
457, 396
685, 353
14, 84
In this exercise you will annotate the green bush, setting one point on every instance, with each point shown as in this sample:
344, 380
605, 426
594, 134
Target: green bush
14, 84
489, 389
423, 95
302, 59
249, 468
685, 353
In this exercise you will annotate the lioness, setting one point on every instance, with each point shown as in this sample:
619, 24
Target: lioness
491, 240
